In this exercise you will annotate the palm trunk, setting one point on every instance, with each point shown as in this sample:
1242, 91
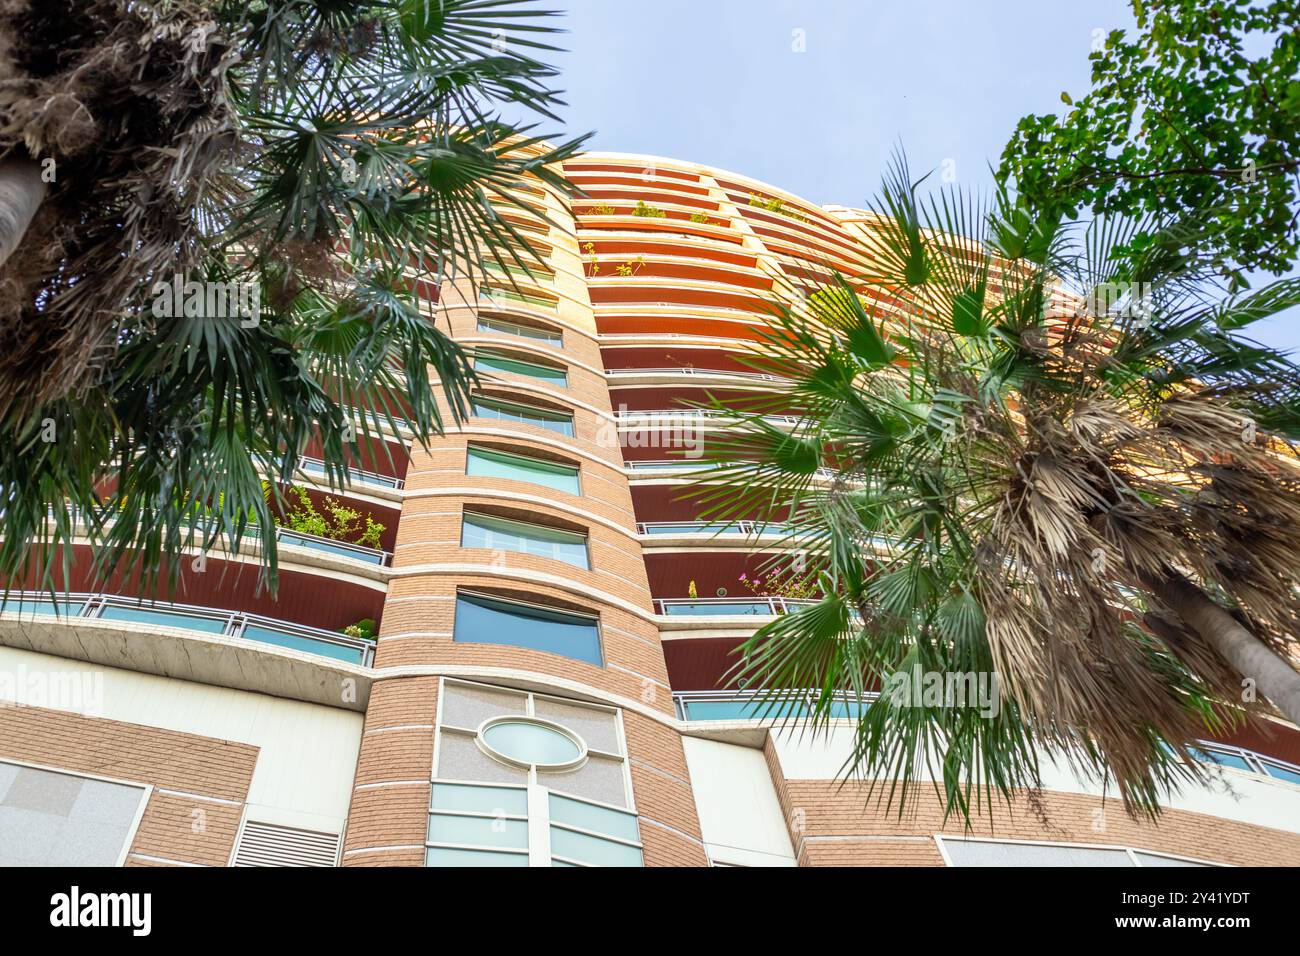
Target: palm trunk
1275, 679
22, 190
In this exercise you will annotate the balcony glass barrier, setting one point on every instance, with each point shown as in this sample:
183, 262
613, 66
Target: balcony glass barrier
716, 607
253, 627
315, 466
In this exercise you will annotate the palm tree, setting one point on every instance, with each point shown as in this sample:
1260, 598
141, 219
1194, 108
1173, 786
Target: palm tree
313, 167
1055, 462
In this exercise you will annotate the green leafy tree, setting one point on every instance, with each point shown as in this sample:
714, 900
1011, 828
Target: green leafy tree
1199, 110
314, 167
1053, 467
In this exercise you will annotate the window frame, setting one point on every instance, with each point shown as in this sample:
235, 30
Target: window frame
492, 598
491, 354
471, 449
566, 418
489, 324
467, 515
537, 795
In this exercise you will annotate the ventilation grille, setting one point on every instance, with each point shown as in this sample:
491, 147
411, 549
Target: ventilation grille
264, 844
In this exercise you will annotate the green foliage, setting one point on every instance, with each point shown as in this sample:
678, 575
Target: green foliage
360, 167
648, 212
699, 217
339, 522
1200, 110
969, 438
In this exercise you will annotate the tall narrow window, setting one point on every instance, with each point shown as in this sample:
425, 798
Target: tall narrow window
557, 422
493, 362
487, 620
499, 464
485, 531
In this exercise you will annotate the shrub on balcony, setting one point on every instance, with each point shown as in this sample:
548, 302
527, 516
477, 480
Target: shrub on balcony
649, 212
339, 522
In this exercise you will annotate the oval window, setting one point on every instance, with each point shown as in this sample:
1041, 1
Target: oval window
531, 743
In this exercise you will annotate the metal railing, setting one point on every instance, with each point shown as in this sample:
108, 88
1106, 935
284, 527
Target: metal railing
756, 606
708, 372
748, 528
754, 705
190, 617
1239, 758
685, 464
757, 706
287, 536
316, 466
347, 549
711, 414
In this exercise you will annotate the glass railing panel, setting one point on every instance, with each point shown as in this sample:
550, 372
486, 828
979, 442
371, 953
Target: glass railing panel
716, 608
1291, 774
743, 709
1222, 758
299, 642
342, 548
165, 617
43, 607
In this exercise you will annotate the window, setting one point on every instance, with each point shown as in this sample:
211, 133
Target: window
53, 818
493, 362
500, 464
525, 414
962, 852
484, 531
523, 779
549, 336
486, 620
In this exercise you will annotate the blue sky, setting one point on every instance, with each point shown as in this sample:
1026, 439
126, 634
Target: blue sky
723, 82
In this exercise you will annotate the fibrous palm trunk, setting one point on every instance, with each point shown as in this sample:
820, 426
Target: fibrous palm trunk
1250, 657
22, 190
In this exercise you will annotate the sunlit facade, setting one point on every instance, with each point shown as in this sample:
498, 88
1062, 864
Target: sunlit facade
554, 619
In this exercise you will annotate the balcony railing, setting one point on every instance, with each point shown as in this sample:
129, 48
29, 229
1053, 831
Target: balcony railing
709, 372
728, 607
1238, 758
700, 414
241, 624
686, 464
346, 549
315, 466
301, 539
753, 705
748, 528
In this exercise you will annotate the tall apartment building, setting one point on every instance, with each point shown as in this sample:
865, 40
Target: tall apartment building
554, 621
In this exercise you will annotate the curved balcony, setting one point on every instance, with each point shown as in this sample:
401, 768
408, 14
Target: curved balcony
728, 607
315, 466
189, 617
660, 375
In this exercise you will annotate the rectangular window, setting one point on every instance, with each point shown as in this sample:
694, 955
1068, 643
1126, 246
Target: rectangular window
525, 414
482, 531
490, 362
484, 620
523, 331
497, 464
